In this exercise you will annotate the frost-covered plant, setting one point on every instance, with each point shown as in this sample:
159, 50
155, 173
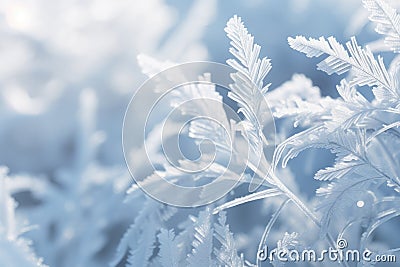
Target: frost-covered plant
80, 211
52, 125
15, 249
158, 237
197, 241
142, 243
358, 194
363, 184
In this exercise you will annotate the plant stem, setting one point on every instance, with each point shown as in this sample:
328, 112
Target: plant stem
304, 209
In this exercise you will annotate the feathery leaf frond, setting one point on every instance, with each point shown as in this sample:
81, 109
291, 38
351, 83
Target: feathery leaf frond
367, 70
388, 22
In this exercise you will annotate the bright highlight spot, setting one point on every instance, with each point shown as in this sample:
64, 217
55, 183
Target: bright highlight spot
18, 17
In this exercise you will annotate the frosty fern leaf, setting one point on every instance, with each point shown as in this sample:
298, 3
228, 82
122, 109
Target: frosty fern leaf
340, 169
141, 255
211, 244
138, 243
203, 240
168, 245
248, 89
388, 22
367, 70
14, 249
244, 49
227, 254
287, 243
245, 94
